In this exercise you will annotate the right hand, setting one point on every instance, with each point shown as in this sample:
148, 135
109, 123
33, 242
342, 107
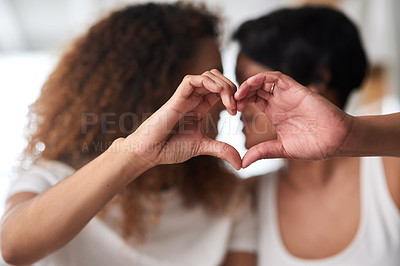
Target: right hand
173, 133
307, 125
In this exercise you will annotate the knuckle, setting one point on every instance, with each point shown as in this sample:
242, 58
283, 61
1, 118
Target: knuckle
199, 149
187, 77
278, 74
225, 148
226, 87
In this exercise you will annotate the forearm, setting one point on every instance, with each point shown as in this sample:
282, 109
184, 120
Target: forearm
39, 226
373, 136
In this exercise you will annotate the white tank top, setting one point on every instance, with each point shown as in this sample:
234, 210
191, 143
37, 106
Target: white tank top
377, 242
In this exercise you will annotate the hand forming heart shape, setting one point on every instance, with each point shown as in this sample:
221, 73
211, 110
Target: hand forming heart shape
173, 134
307, 125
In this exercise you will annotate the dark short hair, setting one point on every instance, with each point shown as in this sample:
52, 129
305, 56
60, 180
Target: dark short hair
301, 42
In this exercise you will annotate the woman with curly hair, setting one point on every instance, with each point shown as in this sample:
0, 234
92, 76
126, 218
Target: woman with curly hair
107, 183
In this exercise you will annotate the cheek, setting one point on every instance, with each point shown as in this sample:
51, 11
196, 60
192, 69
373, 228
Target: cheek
263, 125
210, 121
258, 130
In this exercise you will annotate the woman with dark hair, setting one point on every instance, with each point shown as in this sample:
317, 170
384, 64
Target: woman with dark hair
341, 211
133, 201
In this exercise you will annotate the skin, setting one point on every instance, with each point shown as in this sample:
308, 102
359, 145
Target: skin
256, 126
90, 188
209, 58
313, 196
293, 108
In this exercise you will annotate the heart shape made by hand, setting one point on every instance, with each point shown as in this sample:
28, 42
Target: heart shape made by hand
307, 125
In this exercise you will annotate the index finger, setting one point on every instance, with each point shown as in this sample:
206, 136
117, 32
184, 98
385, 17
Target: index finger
251, 84
227, 91
259, 81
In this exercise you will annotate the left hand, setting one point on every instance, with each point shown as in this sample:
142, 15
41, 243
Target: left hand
307, 125
173, 134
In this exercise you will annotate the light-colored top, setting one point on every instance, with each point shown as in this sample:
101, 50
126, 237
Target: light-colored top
376, 243
182, 237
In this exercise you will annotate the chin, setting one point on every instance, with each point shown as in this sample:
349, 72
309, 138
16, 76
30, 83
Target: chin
249, 141
248, 145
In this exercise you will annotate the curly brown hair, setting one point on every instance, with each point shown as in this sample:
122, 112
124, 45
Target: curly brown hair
130, 61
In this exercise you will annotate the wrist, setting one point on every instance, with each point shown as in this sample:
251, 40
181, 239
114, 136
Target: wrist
128, 159
379, 135
363, 138
354, 135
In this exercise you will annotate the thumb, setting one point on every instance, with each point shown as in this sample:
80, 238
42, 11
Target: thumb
269, 149
221, 150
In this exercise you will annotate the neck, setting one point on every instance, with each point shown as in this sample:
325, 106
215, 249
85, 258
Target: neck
305, 175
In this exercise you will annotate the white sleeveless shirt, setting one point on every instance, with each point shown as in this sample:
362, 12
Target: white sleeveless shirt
377, 242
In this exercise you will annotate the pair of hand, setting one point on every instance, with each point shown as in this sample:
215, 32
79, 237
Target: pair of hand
307, 125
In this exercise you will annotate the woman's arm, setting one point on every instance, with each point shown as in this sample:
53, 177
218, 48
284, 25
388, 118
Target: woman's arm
36, 225
373, 135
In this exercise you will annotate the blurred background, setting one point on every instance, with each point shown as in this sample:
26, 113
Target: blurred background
34, 33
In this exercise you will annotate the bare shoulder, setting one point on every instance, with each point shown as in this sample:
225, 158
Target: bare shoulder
392, 171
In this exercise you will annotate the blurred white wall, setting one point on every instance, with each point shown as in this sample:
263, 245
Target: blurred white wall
379, 24
21, 77
48, 24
